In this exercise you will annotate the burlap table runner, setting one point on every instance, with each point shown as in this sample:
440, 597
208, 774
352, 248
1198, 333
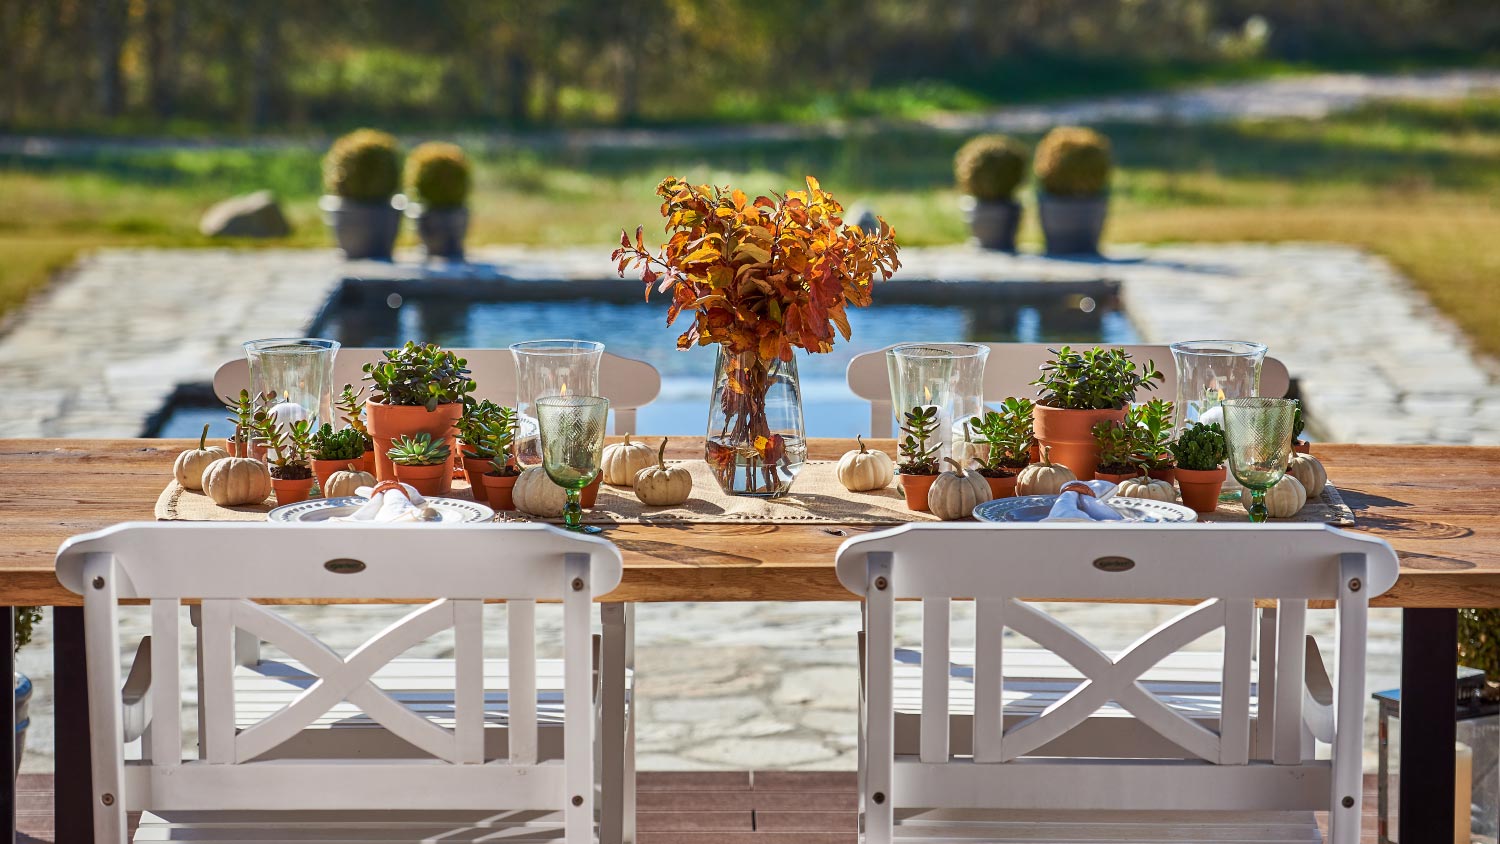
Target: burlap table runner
817, 497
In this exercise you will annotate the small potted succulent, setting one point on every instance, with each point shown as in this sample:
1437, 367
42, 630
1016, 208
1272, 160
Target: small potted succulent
1117, 458
421, 462
246, 442
919, 456
1152, 425
351, 403
1007, 433
361, 174
475, 455
437, 174
290, 456
335, 451
1200, 452
1078, 391
1299, 445
417, 390
498, 439
1072, 170
988, 169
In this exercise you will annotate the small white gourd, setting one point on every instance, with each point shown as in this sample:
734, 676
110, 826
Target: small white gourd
1044, 478
535, 493
956, 493
232, 481
189, 466
1285, 500
1309, 472
864, 470
345, 482
1147, 487
623, 461
662, 485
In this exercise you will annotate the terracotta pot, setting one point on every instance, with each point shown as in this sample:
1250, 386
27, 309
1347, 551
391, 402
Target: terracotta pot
1001, 487
387, 422
232, 446
915, 488
366, 462
428, 480
474, 469
1070, 436
258, 448
1200, 487
590, 493
1302, 447
290, 492
1115, 478
324, 468
1168, 474
497, 489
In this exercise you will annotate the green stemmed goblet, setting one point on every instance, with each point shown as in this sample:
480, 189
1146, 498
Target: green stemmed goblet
1259, 431
572, 429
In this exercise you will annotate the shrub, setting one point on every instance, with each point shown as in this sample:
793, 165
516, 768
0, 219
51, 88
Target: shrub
990, 167
363, 166
1073, 161
438, 175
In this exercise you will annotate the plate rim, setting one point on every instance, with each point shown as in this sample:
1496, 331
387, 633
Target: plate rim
1189, 516
313, 504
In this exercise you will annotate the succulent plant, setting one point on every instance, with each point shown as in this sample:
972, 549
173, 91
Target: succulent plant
990, 167
1200, 447
438, 174
289, 445
1073, 161
499, 438
363, 166
351, 403
1151, 424
1093, 380
244, 407
1117, 442
472, 423
918, 452
1298, 423
1007, 432
343, 444
418, 450
420, 376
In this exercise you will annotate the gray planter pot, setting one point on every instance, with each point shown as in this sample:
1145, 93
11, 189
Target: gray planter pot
993, 221
1072, 224
442, 230
23, 716
364, 229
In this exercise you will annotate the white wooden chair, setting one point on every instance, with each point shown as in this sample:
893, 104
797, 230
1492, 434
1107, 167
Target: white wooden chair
629, 384
239, 790
1009, 371
1003, 783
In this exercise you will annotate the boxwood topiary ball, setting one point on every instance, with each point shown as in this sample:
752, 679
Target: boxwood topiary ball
438, 174
1073, 161
363, 166
990, 167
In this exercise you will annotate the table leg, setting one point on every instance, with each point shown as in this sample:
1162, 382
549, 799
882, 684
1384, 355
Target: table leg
8, 727
74, 808
614, 656
1429, 690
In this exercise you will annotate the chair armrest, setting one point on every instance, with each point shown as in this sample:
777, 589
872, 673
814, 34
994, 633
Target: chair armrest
137, 712
1317, 694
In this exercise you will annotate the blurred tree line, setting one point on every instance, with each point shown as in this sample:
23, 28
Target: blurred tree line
252, 64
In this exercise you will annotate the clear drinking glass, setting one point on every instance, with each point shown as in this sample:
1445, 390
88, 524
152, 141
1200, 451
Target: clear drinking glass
926, 375
299, 370
1259, 431
550, 368
572, 434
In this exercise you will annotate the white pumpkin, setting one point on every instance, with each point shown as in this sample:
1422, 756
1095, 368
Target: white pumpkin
864, 470
1285, 500
955, 494
1309, 472
535, 493
232, 481
345, 482
623, 461
1044, 478
189, 466
662, 485
1147, 487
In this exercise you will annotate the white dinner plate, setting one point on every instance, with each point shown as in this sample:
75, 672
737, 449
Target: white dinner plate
453, 510
1034, 508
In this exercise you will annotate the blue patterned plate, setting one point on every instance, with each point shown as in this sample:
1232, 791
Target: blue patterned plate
1034, 508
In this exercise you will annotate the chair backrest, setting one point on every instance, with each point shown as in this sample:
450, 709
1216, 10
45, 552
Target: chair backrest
627, 383
1010, 369
1232, 566
225, 565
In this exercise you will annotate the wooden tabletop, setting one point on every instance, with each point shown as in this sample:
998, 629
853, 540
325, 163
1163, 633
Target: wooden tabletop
1437, 505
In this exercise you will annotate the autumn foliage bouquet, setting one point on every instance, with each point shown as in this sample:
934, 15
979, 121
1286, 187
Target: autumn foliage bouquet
762, 277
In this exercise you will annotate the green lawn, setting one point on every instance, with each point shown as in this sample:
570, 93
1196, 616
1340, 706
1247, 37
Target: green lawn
1418, 183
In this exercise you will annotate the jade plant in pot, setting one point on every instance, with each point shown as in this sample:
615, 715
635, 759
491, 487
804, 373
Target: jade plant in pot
1078, 391
289, 455
437, 174
1072, 171
335, 451
246, 441
417, 390
351, 404
498, 439
475, 455
919, 455
1007, 432
422, 462
1200, 452
1152, 425
361, 174
988, 169
1116, 442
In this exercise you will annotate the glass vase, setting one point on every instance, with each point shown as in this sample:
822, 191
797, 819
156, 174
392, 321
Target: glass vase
550, 368
756, 443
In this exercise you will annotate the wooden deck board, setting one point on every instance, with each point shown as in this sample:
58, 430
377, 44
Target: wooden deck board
689, 807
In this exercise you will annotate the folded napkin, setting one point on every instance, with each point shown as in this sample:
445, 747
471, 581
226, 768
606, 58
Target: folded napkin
391, 502
1075, 505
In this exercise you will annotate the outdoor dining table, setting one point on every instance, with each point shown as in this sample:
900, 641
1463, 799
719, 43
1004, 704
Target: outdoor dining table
1435, 504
